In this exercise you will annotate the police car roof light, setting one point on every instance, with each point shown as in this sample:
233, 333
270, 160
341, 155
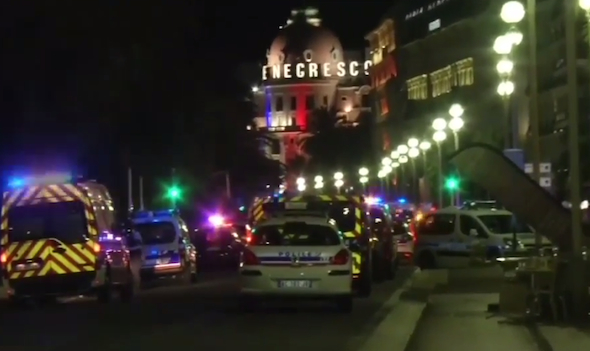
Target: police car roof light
44, 179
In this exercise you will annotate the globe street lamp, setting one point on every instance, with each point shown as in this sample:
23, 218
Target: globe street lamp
318, 179
394, 155
338, 180
438, 137
424, 146
403, 159
364, 179
318, 185
402, 149
301, 187
413, 143
439, 124
300, 181
386, 161
512, 12
363, 171
338, 176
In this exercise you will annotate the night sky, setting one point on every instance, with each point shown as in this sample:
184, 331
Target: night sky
99, 87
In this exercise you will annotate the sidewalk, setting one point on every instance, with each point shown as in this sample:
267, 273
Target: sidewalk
565, 338
460, 322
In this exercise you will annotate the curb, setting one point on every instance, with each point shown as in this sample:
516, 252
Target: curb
407, 307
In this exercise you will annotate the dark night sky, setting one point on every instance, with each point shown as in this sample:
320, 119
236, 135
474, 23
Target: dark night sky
258, 25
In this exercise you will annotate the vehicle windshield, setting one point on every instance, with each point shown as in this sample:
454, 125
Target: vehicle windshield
65, 221
343, 214
399, 228
503, 224
154, 233
295, 234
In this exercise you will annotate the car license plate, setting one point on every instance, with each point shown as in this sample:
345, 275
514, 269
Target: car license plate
294, 284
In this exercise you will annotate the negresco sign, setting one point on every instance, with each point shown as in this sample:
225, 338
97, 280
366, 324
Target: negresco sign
315, 70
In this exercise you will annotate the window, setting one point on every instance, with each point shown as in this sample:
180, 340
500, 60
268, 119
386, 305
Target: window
325, 100
442, 81
418, 88
293, 103
295, 234
365, 100
503, 224
437, 224
310, 102
467, 223
463, 74
279, 104
155, 233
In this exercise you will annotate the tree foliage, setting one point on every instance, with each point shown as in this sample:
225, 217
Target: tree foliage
335, 145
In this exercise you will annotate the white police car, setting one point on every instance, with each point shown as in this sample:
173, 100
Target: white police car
298, 256
167, 251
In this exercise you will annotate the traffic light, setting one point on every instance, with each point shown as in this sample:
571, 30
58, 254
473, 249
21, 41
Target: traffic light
174, 193
452, 183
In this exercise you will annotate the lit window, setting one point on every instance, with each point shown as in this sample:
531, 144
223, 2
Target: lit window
463, 74
418, 88
442, 81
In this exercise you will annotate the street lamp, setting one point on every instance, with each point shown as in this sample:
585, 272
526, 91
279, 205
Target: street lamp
395, 165
338, 184
363, 172
386, 161
413, 143
364, 180
387, 169
402, 149
300, 181
503, 45
456, 124
338, 176
438, 137
439, 124
301, 187
403, 159
318, 179
318, 185
394, 155
512, 12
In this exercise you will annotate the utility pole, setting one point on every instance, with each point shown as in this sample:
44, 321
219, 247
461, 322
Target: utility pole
534, 99
577, 264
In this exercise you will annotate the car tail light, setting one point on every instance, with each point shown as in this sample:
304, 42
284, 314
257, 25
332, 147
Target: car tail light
3, 257
96, 248
249, 258
341, 258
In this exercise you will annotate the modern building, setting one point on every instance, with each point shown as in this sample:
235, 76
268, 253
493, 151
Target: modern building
430, 54
306, 68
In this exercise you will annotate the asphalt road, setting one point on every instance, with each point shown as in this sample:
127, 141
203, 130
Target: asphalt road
204, 315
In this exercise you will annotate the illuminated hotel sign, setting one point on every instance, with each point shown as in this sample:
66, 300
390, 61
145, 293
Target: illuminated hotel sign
429, 7
315, 70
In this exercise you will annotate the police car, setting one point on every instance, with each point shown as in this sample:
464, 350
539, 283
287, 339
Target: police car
167, 251
453, 237
300, 256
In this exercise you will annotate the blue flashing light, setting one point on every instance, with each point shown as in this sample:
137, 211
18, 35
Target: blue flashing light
45, 179
402, 201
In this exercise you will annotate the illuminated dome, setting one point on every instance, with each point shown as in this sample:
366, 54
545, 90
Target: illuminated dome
303, 40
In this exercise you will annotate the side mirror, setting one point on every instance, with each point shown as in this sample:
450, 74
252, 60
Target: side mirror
473, 232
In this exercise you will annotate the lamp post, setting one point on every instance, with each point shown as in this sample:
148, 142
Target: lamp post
338, 181
456, 123
412, 154
438, 137
318, 182
364, 177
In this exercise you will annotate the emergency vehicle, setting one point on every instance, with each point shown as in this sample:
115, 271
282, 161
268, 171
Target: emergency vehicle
385, 257
451, 237
167, 250
350, 216
59, 238
296, 253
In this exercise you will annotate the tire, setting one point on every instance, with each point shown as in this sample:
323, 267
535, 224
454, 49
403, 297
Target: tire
105, 292
426, 260
344, 304
127, 291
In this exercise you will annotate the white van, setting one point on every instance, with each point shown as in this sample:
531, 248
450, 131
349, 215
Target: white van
446, 238
167, 251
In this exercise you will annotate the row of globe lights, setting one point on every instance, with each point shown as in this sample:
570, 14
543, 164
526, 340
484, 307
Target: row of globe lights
319, 182
512, 13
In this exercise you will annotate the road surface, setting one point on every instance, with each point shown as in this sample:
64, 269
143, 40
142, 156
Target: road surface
202, 316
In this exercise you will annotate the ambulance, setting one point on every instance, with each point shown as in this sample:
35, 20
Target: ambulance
59, 238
